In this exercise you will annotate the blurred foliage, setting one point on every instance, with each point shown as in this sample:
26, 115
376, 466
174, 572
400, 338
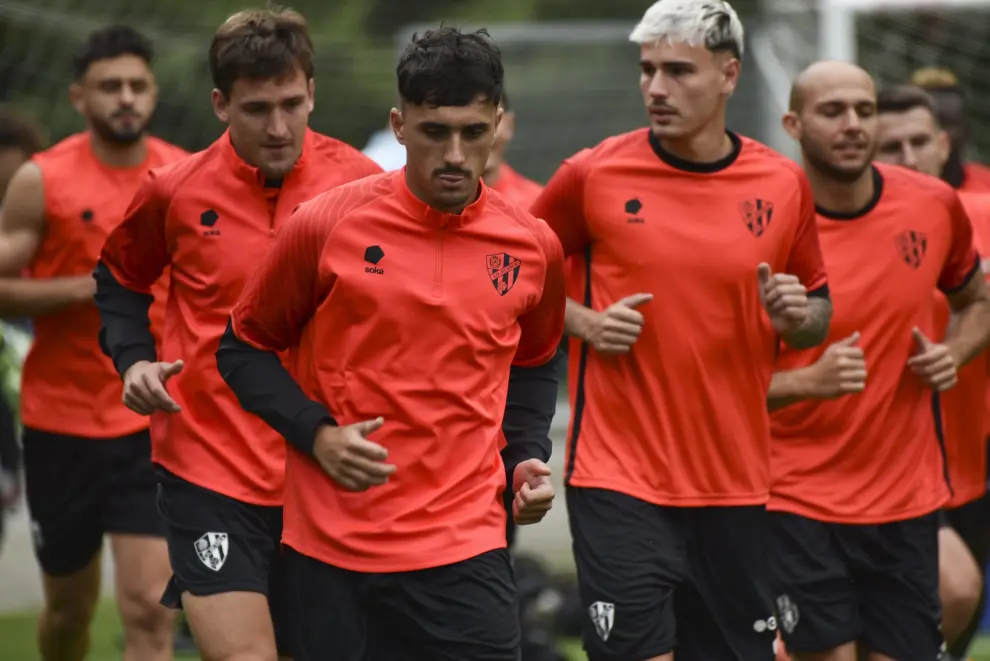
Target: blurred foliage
355, 39
571, 92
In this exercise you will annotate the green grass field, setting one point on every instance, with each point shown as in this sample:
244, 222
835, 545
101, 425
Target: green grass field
17, 642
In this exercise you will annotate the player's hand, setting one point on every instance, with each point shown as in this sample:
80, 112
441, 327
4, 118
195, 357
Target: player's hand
533, 492
615, 329
353, 461
933, 363
841, 370
144, 387
784, 298
84, 288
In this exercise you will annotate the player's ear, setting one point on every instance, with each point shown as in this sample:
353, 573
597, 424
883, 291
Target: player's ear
944, 141
730, 75
220, 105
311, 90
76, 97
398, 123
792, 124
507, 126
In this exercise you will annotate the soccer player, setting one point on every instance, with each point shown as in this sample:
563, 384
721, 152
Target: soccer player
952, 111
86, 457
858, 480
498, 174
417, 307
211, 218
909, 135
687, 237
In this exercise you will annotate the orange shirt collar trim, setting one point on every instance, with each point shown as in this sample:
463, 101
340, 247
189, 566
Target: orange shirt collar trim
442, 218
252, 174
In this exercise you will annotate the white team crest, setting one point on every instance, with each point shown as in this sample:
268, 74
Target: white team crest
212, 549
787, 613
603, 617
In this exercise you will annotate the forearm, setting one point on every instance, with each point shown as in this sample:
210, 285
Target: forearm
969, 332
265, 388
576, 319
814, 330
529, 408
788, 387
25, 297
125, 329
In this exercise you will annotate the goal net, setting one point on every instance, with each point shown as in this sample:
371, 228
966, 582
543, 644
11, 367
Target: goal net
891, 39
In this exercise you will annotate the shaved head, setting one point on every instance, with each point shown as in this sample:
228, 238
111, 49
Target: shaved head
833, 115
823, 76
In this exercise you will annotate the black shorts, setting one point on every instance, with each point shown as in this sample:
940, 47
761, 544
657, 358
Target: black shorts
466, 611
874, 584
217, 544
653, 579
80, 489
972, 522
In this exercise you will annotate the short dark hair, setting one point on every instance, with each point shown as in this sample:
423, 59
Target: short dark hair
260, 44
18, 132
447, 67
110, 42
505, 100
901, 98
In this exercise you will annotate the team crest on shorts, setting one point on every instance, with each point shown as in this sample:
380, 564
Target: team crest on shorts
212, 549
503, 269
603, 617
787, 613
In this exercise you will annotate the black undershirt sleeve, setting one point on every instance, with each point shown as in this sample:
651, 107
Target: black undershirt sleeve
265, 388
529, 407
125, 329
821, 292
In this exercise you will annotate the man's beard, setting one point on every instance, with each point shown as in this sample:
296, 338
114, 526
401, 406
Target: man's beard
841, 175
121, 137
953, 172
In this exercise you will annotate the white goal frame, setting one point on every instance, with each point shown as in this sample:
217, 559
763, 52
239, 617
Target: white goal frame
837, 21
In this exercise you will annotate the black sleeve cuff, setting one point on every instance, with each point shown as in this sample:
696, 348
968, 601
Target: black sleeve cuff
821, 292
302, 431
973, 270
128, 356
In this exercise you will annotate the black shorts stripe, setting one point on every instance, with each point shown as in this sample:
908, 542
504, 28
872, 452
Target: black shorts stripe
940, 435
582, 370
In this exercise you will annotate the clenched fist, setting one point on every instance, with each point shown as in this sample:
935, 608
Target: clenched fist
784, 298
615, 329
933, 363
841, 370
350, 458
144, 387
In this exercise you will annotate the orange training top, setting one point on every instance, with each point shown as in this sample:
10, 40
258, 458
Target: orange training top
212, 218
394, 309
681, 419
976, 178
69, 386
965, 408
875, 457
517, 188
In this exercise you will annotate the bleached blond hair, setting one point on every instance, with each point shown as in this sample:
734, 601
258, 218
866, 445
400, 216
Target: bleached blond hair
709, 23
